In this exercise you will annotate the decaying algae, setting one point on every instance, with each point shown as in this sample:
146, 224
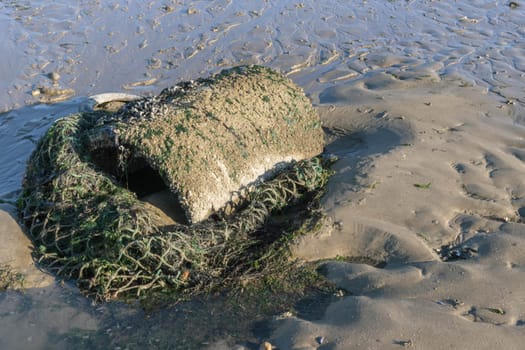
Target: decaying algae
10, 278
90, 226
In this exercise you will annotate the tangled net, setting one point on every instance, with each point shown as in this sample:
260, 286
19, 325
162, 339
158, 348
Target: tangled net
89, 228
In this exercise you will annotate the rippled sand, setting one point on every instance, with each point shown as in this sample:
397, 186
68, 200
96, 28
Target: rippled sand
422, 102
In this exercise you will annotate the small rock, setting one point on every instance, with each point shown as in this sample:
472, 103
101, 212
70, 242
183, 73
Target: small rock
54, 76
266, 346
52, 95
143, 44
168, 9
154, 63
405, 343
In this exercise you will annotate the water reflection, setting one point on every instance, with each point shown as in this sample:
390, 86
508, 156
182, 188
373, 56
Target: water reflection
105, 46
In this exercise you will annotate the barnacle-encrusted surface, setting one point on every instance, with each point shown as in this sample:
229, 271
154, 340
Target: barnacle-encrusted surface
209, 138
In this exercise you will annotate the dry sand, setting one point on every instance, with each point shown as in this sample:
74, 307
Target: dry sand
421, 100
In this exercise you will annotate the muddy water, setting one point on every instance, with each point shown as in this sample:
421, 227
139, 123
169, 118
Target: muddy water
76, 49
99, 46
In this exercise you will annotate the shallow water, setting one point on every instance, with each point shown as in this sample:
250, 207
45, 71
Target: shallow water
114, 45
141, 47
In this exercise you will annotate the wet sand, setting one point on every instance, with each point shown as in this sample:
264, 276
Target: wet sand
421, 101
419, 170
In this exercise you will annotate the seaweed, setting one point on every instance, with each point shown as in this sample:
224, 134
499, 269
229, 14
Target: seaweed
10, 278
89, 226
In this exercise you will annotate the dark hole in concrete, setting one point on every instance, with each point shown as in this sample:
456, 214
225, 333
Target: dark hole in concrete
105, 159
139, 177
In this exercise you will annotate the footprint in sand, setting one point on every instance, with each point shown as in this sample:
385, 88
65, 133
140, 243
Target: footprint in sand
477, 182
494, 183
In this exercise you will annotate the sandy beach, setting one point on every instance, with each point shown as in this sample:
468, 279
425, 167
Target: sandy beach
439, 203
422, 103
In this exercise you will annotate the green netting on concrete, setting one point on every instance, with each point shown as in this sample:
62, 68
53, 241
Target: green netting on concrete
87, 225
